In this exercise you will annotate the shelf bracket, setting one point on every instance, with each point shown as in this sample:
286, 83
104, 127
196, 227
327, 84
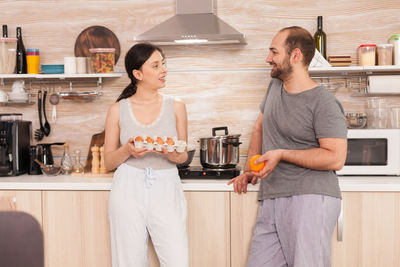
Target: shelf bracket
99, 82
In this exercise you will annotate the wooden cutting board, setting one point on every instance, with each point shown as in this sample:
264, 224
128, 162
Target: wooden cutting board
96, 37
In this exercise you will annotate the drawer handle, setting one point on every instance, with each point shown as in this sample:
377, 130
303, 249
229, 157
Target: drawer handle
340, 224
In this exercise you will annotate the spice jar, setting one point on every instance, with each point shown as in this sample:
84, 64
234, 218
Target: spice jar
102, 60
395, 40
366, 55
384, 54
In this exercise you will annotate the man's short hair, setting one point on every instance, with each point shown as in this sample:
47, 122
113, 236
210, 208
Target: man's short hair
302, 39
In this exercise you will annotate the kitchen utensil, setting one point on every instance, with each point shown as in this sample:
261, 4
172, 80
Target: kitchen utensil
46, 126
49, 169
39, 133
54, 99
356, 120
52, 69
98, 140
219, 151
46, 150
96, 37
188, 160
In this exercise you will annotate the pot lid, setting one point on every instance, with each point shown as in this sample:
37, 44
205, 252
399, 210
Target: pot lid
226, 135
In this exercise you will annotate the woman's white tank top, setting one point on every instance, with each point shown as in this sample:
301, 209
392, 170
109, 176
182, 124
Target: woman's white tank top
164, 125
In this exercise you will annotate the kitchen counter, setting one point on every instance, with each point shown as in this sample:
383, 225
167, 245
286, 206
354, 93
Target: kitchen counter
66, 182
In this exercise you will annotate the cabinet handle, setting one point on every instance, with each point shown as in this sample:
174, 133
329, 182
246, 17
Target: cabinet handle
340, 223
13, 203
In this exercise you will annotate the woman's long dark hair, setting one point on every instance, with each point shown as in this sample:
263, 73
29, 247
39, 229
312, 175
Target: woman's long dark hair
134, 59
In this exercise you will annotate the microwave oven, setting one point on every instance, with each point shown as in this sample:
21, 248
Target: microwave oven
372, 152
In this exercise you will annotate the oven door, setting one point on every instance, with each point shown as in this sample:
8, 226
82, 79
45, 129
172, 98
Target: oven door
372, 152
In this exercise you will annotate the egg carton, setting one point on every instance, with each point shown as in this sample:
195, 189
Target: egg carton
157, 143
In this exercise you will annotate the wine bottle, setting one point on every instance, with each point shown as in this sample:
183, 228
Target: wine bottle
21, 54
320, 38
5, 31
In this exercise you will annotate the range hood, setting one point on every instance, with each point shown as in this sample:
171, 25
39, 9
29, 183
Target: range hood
194, 23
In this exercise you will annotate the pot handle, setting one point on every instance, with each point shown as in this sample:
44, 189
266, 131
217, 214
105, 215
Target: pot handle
232, 143
218, 129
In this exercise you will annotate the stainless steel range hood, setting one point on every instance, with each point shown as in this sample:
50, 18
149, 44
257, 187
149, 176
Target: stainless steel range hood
194, 23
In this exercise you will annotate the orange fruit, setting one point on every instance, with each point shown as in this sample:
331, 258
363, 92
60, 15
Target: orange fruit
139, 139
149, 140
256, 167
159, 141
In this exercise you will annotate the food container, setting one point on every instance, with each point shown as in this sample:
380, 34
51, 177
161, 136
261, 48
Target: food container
356, 120
52, 69
384, 54
32, 61
188, 160
395, 40
8, 53
102, 60
219, 151
366, 55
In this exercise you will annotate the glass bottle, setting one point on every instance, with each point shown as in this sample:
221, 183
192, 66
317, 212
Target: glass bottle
66, 161
320, 38
21, 53
5, 31
78, 167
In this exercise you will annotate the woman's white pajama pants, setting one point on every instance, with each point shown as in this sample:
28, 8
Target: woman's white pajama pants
146, 202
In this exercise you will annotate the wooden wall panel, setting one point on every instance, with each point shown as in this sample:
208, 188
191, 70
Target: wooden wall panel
221, 84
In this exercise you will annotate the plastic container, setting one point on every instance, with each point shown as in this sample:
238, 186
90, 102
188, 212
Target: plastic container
8, 53
366, 55
395, 40
384, 54
32, 61
102, 60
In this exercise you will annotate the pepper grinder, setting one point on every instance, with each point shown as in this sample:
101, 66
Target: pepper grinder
102, 165
95, 159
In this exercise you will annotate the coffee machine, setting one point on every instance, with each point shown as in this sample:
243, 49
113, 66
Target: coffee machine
15, 140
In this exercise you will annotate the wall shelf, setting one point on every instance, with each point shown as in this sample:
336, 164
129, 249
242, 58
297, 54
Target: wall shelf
60, 76
354, 71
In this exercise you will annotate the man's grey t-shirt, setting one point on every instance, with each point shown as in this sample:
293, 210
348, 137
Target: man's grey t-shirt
296, 122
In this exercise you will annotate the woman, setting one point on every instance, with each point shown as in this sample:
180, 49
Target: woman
146, 196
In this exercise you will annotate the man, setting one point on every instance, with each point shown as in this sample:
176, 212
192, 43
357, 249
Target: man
301, 132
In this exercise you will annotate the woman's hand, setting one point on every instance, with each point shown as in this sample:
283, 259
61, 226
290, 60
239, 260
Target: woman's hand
135, 152
176, 157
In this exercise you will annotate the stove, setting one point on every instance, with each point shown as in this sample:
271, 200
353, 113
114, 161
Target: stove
198, 172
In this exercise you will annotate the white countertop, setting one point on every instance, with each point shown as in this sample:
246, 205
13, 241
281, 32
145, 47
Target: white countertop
66, 182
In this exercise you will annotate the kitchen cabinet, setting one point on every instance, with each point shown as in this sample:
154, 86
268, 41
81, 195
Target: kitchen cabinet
243, 217
76, 228
26, 201
371, 230
208, 227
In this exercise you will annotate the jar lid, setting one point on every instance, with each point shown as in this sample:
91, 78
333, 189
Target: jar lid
394, 37
8, 40
384, 45
368, 45
99, 50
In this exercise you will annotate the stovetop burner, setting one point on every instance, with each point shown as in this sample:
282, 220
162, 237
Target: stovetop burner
198, 172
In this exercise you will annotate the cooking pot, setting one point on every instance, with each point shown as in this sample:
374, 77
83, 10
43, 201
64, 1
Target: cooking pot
219, 151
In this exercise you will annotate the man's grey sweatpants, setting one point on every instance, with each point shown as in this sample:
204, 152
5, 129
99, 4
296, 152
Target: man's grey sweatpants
294, 231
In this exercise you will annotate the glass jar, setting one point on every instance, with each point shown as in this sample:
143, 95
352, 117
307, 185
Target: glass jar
78, 167
66, 161
366, 55
395, 40
384, 54
102, 60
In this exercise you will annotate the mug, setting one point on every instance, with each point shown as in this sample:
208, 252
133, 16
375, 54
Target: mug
3, 96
